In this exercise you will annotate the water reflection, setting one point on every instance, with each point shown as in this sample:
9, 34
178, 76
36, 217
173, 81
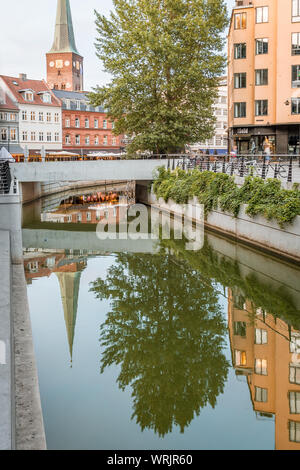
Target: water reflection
166, 329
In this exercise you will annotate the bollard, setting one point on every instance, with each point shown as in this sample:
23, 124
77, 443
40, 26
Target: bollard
290, 174
263, 174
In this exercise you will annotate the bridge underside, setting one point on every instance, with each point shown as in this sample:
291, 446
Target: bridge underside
101, 170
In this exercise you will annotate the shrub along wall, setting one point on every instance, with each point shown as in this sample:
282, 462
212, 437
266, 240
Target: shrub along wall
218, 190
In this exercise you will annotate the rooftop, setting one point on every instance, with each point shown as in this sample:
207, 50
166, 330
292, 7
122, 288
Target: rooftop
39, 87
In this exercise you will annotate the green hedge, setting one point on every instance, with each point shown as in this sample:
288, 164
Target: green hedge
263, 197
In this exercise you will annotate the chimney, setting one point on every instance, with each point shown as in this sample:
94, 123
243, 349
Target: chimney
23, 77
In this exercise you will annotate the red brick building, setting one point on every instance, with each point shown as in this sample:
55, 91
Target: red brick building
85, 129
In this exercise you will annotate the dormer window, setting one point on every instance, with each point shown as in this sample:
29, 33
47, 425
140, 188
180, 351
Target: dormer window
46, 98
28, 96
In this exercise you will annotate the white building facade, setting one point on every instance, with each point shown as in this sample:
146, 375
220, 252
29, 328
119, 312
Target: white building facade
218, 144
40, 113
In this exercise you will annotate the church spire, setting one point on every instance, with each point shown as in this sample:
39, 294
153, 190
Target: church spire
64, 40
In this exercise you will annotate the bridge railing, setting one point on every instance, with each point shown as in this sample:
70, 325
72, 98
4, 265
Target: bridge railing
8, 185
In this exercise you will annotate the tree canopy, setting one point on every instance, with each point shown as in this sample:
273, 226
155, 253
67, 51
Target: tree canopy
165, 58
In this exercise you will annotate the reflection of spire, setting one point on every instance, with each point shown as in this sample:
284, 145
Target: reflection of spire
69, 289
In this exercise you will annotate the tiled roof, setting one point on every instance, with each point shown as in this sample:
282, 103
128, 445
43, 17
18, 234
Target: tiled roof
76, 96
8, 105
37, 86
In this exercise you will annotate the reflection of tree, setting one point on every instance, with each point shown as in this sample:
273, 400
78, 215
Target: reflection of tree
166, 331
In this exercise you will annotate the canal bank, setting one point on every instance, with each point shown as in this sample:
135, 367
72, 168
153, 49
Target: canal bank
257, 231
21, 424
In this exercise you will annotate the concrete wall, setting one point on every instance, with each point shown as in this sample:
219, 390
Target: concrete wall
256, 231
101, 170
10, 219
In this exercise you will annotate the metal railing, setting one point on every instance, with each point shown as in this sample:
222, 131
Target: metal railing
8, 185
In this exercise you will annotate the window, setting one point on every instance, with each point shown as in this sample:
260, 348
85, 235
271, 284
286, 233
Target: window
68, 122
24, 136
77, 139
41, 136
262, 46
68, 104
114, 141
3, 116
96, 140
225, 112
41, 116
56, 117
104, 124
262, 15
240, 358
79, 217
48, 117
261, 367
87, 140
261, 77
105, 140
13, 117
33, 136
96, 123
13, 134
295, 76
78, 105
294, 429
68, 139
240, 80
295, 11
87, 123
3, 134
48, 136
261, 336
295, 43
261, 394
295, 342
112, 125
223, 100
261, 107
240, 21
239, 110
47, 98
88, 216
56, 136
294, 398
77, 122
32, 116
28, 96
240, 51
295, 105
295, 374
24, 115
239, 328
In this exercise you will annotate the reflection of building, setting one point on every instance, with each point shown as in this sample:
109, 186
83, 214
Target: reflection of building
264, 349
264, 75
218, 143
68, 271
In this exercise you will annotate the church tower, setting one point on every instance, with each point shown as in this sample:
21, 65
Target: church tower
64, 63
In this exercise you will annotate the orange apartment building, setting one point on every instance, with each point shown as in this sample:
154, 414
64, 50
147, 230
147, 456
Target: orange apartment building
264, 75
267, 351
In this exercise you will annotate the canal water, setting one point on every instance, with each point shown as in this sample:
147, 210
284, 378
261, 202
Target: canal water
150, 346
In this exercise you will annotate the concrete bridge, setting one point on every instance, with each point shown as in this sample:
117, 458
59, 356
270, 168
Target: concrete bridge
101, 170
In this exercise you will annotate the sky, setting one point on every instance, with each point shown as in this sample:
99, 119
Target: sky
27, 31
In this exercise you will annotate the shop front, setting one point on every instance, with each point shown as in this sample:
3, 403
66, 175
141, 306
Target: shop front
253, 140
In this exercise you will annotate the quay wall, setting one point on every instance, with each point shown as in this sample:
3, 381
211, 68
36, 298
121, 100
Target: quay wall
254, 231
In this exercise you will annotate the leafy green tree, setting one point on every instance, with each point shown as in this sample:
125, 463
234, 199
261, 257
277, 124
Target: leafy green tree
166, 331
165, 58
